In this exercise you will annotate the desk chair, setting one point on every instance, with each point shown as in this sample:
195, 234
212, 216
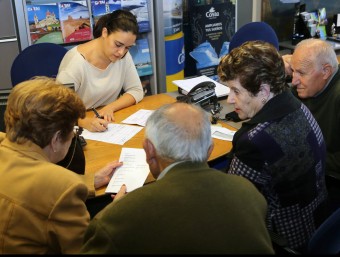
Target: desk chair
325, 240
40, 59
257, 30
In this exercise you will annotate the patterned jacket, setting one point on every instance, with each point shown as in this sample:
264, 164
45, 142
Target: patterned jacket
282, 151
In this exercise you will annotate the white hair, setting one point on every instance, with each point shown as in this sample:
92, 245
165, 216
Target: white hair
176, 140
321, 52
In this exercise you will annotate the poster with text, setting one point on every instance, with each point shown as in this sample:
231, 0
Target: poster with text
212, 27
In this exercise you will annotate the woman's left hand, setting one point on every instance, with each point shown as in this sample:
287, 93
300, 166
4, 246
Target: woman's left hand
107, 113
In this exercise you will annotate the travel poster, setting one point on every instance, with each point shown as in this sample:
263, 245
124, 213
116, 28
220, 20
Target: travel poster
75, 21
44, 23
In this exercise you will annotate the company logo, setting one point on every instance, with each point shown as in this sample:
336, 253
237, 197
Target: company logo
212, 13
99, 2
181, 57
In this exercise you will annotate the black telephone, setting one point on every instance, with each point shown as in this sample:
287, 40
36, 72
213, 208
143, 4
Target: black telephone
202, 94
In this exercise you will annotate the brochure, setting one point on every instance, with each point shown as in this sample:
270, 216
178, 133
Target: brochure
141, 57
44, 23
173, 16
102, 7
140, 9
75, 21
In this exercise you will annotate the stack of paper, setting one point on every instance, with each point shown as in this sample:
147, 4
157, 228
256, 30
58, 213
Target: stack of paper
187, 84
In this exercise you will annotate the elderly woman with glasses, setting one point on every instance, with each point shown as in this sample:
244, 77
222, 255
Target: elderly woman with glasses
102, 69
42, 204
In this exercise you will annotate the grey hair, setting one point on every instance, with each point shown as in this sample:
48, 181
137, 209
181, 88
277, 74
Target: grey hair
321, 52
179, 141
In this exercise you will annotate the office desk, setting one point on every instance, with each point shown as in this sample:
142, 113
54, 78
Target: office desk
98, 154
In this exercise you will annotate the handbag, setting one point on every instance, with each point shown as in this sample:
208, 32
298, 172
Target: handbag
75, 157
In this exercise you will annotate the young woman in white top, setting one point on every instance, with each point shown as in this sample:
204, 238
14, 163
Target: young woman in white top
103, 68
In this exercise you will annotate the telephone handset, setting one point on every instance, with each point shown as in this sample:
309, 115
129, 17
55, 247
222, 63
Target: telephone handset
203, 94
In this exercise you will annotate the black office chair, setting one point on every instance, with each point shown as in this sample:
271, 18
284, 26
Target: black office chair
42, 59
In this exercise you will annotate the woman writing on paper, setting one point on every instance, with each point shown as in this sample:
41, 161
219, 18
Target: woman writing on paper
103, 67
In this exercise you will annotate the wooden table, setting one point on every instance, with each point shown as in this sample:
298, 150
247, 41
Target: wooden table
98, 154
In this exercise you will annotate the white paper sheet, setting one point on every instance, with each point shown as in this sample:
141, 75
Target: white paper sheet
132, 173
140, 117
222, 133
187, 84
115, 134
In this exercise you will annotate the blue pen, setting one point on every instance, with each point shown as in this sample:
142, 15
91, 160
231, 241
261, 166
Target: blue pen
96, 113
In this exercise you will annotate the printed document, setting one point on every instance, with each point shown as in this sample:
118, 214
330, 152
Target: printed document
132, 173
187, 84
222, 133
115, 134
139, 118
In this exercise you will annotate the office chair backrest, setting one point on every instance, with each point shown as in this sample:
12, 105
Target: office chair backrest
254, 31
326, 239
40, 59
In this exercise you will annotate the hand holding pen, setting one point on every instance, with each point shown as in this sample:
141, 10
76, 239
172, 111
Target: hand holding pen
99, 123
96, 113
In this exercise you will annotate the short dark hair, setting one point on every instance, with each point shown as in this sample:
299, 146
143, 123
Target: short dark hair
254, 63
117, 20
